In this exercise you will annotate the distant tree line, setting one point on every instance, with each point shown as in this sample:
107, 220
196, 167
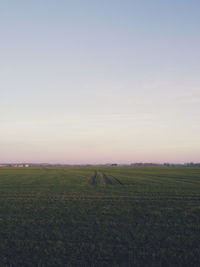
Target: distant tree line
164, 164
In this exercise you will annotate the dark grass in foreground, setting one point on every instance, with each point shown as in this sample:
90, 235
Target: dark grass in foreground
153, 219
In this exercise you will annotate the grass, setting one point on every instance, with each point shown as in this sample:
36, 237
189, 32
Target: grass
54, 217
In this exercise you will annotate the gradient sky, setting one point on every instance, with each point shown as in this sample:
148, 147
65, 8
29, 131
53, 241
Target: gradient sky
99, 81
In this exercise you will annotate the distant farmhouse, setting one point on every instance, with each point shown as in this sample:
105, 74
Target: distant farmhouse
20, 165
15, 165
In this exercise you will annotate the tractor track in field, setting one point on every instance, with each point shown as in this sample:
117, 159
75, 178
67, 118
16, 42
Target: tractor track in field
106, 179
114, 198
117, 180
93, 178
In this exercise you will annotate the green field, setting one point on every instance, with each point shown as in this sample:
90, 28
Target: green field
116, 216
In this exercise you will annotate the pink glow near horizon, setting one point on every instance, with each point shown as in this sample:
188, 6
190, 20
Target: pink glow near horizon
100, 82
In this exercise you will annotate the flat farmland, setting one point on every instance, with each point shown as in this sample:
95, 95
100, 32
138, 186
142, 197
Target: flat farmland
100, 216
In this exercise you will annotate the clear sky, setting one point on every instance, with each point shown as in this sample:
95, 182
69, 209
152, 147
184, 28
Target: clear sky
99, 81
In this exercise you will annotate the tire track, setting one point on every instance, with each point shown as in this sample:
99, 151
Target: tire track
117, 180
93, 178
105, 178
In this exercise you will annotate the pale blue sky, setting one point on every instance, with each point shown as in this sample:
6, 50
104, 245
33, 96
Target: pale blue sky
99, 81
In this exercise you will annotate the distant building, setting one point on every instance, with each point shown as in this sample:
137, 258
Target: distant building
18, 165
4, 165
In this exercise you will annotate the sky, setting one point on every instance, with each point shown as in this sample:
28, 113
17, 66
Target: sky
99, 81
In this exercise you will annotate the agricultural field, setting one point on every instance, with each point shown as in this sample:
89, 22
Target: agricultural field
100, 216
